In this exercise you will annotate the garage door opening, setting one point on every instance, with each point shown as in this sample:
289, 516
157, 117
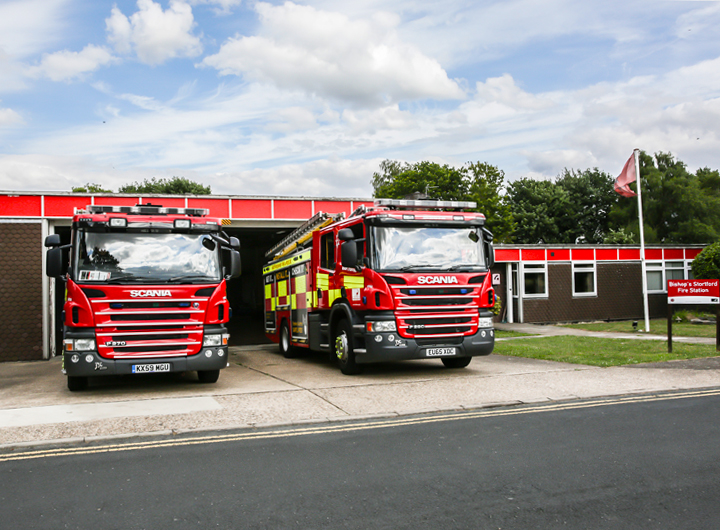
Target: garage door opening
246, 294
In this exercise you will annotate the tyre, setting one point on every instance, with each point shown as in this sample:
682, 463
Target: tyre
76, 383
285, 345
344, 349
208, 376
456, 362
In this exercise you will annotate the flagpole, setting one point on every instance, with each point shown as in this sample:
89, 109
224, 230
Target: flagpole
642, 241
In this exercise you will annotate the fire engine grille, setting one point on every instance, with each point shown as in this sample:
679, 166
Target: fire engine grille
151, 328
429, 313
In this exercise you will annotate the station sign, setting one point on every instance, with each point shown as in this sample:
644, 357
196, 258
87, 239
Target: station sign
693, 291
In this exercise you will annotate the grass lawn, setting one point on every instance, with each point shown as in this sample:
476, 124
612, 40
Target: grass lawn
658, 326
502, 334
600, 351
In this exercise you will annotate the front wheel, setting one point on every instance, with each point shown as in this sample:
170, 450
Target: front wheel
456, 362
344, 350
208, 376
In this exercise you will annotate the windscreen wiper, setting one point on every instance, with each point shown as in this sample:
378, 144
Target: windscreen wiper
177, 279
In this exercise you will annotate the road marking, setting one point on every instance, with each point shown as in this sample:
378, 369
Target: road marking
100, 411
357, 426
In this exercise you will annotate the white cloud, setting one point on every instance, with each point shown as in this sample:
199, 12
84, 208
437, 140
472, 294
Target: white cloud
9, 117
327, 54
30, 26
66, 65
155, 35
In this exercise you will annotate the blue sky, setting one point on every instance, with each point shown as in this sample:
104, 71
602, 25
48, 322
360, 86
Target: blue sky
307, 98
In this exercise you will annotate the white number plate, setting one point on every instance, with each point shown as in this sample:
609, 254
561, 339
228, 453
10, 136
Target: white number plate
440, 352
150, 368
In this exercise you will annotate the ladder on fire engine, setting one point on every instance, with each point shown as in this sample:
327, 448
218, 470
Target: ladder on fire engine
302, 234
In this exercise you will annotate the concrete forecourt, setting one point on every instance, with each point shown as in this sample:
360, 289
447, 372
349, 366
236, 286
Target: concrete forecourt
262, 388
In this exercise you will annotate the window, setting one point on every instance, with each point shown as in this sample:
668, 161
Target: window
327, 251
658, 273
583, 279
535, 280
654, 273
675, 270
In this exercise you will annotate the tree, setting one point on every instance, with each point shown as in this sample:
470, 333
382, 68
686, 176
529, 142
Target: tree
479, 182
90, 188
706, 265
486, 188
173, 186
678, 206
538, 207
400, 180
591, 197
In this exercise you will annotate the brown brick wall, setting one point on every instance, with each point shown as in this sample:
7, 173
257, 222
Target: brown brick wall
619, 296
20, 292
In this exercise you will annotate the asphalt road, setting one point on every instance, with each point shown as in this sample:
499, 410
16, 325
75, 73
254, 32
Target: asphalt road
635, 462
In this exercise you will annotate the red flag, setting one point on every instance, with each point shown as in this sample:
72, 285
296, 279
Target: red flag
622, 183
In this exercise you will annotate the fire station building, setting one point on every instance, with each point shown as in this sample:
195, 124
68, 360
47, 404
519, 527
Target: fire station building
543, 284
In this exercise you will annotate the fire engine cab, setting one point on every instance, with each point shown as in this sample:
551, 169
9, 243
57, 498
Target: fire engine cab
145, 292
399, 280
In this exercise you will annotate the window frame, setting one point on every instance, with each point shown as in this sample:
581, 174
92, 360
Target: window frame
584, 266
535, 268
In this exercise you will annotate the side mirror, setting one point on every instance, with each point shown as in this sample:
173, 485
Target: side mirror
55, 265
349, 254
235, 264
235, 243
491, 255
209, 243
53, 240
345, 234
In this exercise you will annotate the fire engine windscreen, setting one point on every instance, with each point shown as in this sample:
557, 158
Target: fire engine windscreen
108, 256
405, 248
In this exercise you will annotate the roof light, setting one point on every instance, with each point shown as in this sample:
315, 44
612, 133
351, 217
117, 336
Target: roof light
424, 205
147, 210
408, 216
180, 224
118, 222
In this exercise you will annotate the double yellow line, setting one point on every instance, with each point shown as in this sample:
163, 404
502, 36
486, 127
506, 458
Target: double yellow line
355, 426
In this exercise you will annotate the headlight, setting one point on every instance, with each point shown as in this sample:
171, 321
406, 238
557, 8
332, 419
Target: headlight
485, 322
79, 344
216, 340
212, 340
382, 325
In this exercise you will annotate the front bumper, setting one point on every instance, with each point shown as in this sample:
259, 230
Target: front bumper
393, 347
89, 363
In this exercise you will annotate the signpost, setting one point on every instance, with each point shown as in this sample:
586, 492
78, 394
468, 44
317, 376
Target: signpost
694, 292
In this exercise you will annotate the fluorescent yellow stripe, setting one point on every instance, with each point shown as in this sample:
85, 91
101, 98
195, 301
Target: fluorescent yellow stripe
334, 295
322, 281
282, 288
268, 291
309, 299
354, 282
272, 304
300, 284
293, 302
303, 256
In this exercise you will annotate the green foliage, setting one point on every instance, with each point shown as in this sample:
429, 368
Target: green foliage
573, 209
479, 182
678, 206
706, 266
173, 186
90, 188
486, 188
618, 237
538, 207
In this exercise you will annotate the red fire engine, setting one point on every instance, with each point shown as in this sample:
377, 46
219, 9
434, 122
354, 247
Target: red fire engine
399, 280
146, 292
